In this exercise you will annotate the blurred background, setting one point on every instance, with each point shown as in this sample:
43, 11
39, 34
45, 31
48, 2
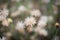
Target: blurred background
29, 19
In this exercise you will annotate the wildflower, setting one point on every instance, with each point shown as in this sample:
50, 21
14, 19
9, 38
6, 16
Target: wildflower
30, 21
20, 26
36, 13
40, 31
42, 22
3, 14
5, 22
44, 18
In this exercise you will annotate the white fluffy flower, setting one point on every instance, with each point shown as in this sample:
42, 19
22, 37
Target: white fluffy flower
22, 8
5, 23
41, 31
3, 14
30, 21
44, 18
36, 13
42, 22
20, 25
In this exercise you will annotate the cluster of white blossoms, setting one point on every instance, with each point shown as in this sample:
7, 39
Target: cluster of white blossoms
43, 21
3, 14
36, 13
20, 25
41, 24
29, 21
40, 29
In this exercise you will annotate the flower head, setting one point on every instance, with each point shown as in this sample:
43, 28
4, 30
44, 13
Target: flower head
42, 22
30, 21
3, 14
43, 32
36, 13
5, 22
44, 18
40, 31
20, 26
